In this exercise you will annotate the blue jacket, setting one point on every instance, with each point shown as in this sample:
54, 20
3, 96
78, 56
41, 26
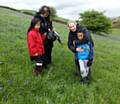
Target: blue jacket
85, 54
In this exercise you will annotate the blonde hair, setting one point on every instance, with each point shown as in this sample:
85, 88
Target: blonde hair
69, 22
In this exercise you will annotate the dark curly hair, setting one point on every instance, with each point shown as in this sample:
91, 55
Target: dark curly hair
43, 10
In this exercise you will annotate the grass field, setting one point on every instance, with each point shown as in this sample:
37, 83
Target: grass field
57, 84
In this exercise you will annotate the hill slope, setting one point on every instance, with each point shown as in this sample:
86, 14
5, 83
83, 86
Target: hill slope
116, 22
57, 85
32, 13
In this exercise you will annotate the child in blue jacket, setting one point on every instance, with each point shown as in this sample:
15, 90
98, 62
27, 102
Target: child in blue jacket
83, 55
73, 28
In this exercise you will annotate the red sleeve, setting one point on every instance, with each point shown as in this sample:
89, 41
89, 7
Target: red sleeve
44, 37
31, 44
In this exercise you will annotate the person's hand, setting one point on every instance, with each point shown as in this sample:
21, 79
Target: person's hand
49, 30
36, 54
89, 63
79, 50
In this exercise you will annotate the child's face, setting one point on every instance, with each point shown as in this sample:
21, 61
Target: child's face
80, 35
37, 26
72, 27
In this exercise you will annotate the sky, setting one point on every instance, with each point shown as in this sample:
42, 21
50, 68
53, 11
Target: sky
68, 8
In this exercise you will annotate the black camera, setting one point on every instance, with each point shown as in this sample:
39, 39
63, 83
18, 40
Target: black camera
53, 35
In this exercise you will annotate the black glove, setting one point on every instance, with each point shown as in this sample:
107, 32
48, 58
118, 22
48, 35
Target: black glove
89, 63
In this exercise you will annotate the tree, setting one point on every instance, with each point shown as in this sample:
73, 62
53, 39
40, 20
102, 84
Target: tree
96, 21
53, 12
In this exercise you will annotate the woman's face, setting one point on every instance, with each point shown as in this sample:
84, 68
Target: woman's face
46, 12
72, 27
37, 26
80, 35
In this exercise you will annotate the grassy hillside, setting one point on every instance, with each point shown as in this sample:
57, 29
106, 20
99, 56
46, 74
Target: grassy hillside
57, 85
55, 19
32, 13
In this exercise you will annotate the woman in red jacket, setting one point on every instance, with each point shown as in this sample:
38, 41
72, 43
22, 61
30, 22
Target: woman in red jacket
36, 45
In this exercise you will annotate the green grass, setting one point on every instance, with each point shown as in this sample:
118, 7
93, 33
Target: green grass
116, 32
57, 84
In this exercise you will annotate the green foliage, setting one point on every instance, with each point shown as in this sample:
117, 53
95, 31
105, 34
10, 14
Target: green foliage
57, 84
53, 12
96, 21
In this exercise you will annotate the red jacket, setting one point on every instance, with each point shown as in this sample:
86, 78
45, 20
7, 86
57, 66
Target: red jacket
35, 42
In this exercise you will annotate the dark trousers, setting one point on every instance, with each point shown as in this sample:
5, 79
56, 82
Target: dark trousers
48, 51
77, 67
39, 60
